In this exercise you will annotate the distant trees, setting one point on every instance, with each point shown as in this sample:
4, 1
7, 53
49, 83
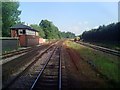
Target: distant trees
10, 17
67, 35
49, 31
108, 33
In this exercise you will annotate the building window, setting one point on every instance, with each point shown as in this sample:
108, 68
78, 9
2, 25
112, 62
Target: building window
24, 32
20, 31
29, 32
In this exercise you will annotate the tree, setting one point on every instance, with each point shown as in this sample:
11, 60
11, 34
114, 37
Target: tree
37, 27
50, 30
10, 17
67, 35
107, 33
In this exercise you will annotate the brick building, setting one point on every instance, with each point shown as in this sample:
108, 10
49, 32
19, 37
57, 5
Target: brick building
27, 35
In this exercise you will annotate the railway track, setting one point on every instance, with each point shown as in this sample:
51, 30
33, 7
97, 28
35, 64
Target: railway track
50, 75
13, 53
103, 49
47, 73
7, 85
17, 52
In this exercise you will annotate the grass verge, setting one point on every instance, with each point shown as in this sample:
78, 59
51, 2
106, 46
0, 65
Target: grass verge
107, 64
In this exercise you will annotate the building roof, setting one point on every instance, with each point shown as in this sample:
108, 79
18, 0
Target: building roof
21, 26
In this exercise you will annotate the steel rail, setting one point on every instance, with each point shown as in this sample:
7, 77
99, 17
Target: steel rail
36, 59
39, 75
60, 71
103, 49
13, 53
10, 54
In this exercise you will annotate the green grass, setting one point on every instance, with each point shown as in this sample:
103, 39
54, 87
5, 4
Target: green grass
106, 64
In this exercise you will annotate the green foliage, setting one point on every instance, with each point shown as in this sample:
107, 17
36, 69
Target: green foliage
37, 27
67, 35
103, 33
52, 32
10, 17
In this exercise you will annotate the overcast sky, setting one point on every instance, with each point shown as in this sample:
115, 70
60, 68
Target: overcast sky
70, 16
